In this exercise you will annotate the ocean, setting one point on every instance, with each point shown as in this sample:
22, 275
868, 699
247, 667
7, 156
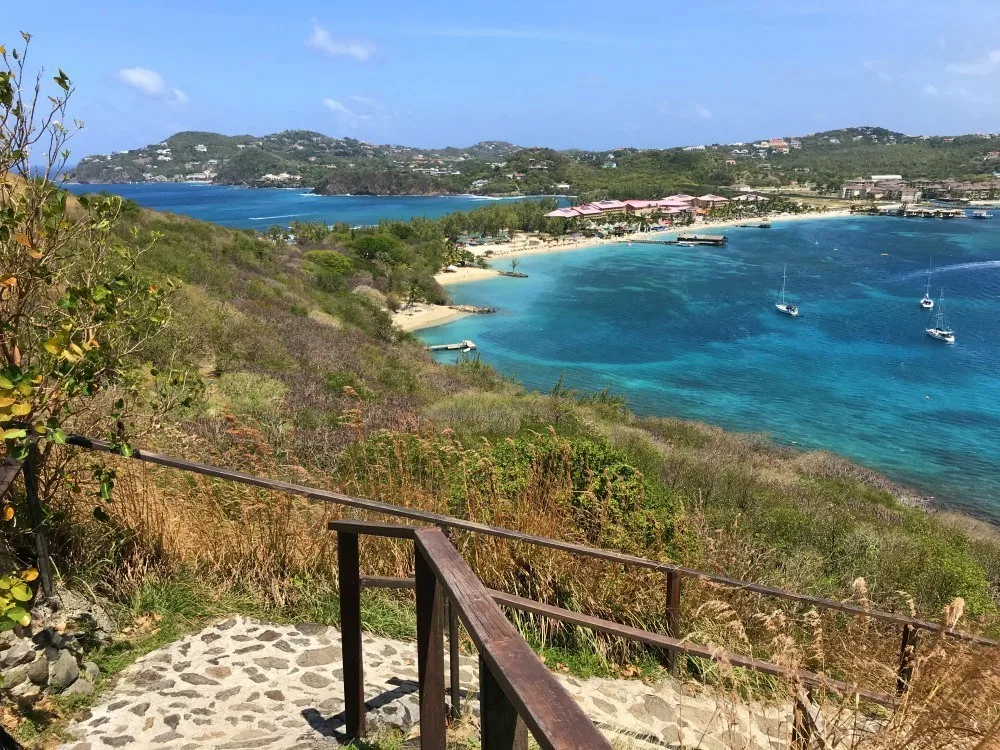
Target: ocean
259, 208
693, 332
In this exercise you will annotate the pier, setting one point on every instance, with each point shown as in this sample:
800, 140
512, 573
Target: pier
703, 239
686, 239
464, 346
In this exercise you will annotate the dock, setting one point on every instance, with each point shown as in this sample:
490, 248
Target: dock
686, 239
703, 239
464, 346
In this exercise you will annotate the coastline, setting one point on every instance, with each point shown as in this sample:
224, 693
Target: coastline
531, 246
425, 315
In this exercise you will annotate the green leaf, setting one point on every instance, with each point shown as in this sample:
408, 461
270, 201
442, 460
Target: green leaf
16, 613
57, 436
22, 593
14, 434
105, 490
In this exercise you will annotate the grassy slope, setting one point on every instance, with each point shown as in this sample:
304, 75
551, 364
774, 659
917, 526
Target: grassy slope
306, 381
251, 313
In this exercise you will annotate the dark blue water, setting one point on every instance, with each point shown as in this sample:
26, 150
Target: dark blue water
693, 333
259, 208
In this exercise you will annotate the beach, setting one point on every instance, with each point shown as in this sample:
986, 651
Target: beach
425, 315
530, 245
464, 274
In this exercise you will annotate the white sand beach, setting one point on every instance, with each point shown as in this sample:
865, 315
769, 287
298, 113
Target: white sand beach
531, 245
464, 274
425, 315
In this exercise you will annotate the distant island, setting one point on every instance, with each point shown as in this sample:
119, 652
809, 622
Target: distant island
820, 163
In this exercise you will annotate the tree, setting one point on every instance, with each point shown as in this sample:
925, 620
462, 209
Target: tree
331, 268
380, 248
75, 313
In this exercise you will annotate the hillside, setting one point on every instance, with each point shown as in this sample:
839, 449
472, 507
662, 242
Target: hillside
296, 344
348, 166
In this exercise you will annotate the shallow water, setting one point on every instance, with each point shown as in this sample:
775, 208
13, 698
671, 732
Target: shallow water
692, 332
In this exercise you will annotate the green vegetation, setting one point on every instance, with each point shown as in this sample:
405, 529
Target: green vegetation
346, 166
279, 359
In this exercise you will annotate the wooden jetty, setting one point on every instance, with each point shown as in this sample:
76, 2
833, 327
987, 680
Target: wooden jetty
686, 239
703, 239
465, 346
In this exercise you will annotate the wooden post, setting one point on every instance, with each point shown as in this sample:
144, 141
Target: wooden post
350, 634
454, 657
430, 656
673, 616
501, 727
801, 725
36, 516
906, 648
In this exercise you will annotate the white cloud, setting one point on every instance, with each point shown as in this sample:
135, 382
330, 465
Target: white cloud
363, 111
877, 67
334, 106
703, 112
321, 41
930, 90
151, 83
144, 80
979, 68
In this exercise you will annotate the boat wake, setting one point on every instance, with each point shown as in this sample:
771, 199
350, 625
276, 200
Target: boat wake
978, 265
281, 216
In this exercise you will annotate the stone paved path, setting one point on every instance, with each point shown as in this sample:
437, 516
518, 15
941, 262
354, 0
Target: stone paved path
247, 684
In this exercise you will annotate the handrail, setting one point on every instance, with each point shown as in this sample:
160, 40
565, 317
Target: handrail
639, 635
517, 693
441, 520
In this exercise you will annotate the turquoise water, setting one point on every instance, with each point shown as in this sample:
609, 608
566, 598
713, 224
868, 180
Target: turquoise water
259, 208
693, 332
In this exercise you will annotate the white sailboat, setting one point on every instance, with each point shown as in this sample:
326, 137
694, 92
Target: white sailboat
780, 304
940, 329
927, 303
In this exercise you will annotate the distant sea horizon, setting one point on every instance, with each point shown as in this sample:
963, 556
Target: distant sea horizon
693, 333
259, 208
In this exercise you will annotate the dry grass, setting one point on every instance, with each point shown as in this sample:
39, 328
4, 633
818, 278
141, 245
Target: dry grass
275, 547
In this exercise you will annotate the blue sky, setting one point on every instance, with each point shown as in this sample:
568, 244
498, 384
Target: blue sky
562, 74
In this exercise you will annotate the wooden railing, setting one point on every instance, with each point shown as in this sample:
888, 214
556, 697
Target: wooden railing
673, 575
517, 693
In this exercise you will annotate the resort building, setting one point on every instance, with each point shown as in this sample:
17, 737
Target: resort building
665, 206
710, 201
889, 187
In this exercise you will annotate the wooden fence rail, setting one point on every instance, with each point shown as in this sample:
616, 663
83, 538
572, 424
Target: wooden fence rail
674, 575
517, 694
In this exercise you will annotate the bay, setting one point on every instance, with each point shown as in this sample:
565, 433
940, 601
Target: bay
693, 332
259, 208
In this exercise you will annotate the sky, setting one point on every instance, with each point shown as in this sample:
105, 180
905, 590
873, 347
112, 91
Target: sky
580, 74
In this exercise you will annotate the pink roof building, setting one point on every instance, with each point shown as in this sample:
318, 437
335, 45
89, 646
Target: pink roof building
563, 213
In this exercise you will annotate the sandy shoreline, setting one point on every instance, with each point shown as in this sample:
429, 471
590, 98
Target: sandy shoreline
464, 274
425, 315
533, 246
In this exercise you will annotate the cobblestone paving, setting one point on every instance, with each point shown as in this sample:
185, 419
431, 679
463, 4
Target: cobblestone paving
247, 684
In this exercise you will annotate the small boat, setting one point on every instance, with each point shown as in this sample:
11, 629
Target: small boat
927, 303
685, 244
940, 329
781, 305
981, 215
